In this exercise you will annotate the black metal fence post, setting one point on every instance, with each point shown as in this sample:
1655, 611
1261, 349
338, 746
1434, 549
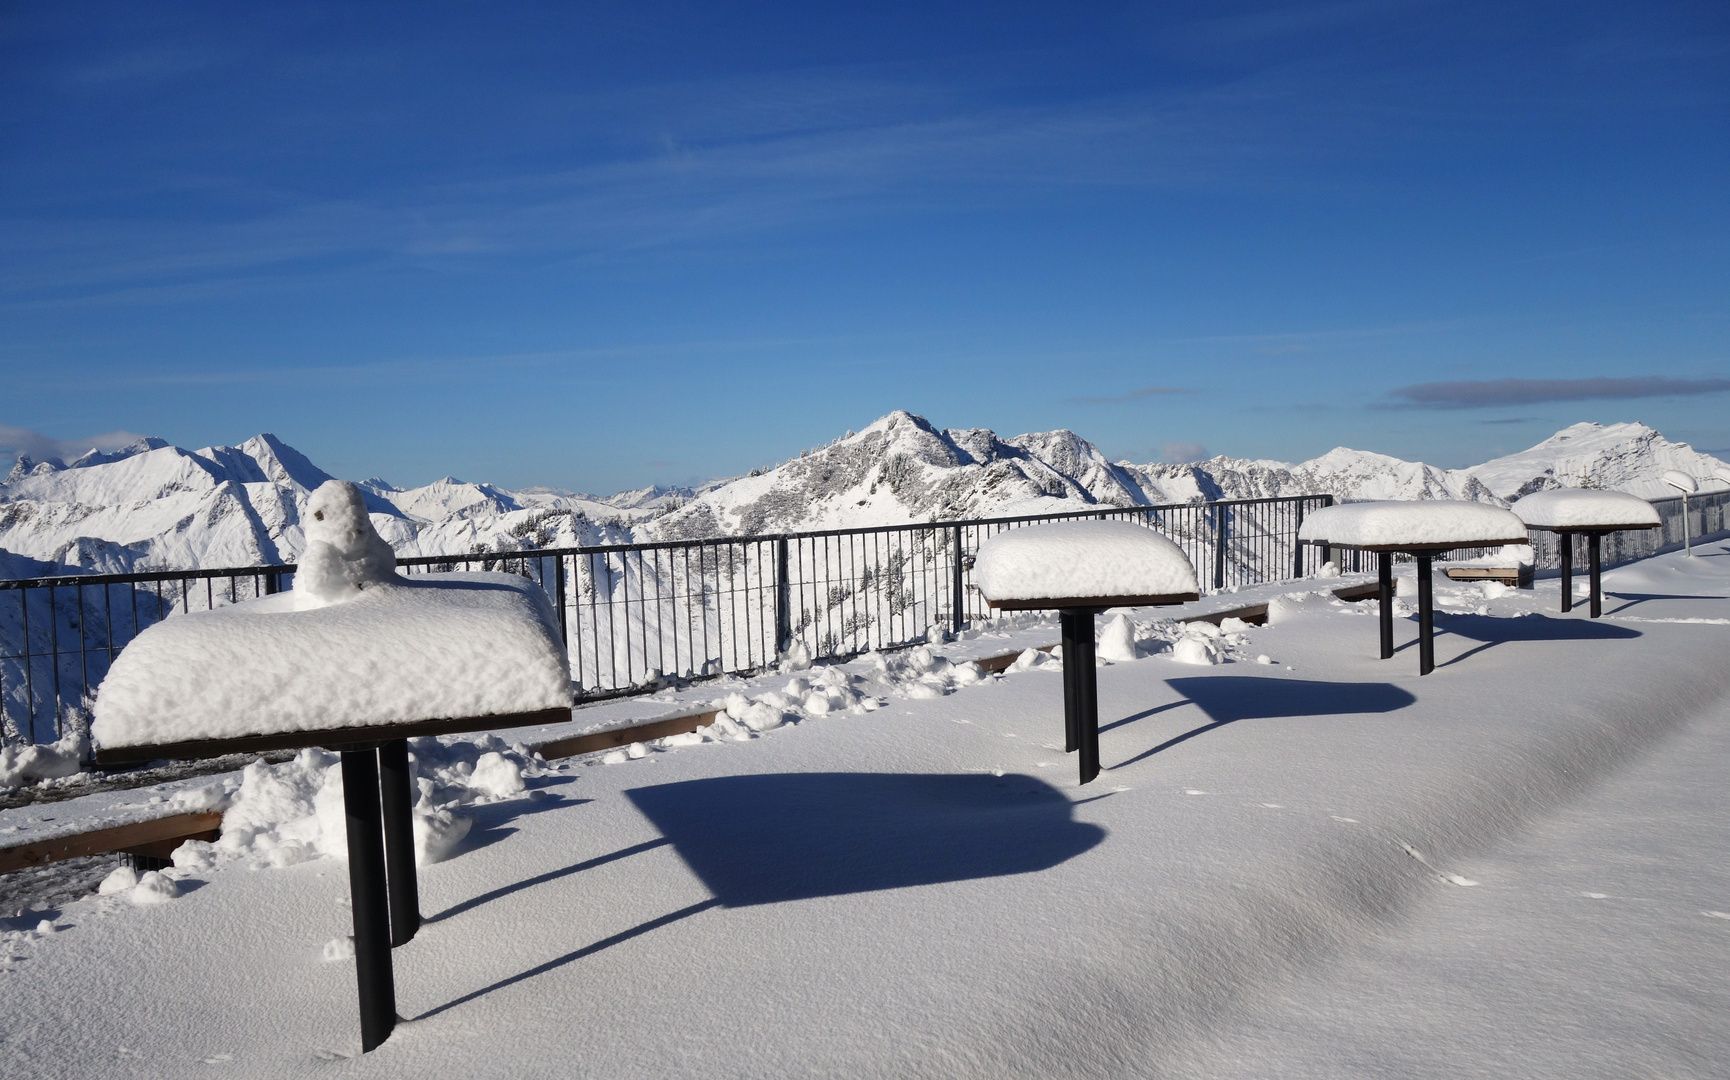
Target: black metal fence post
1087, 693
1297, 548
559, 597
396, 793
374, 978
1219, 541
957, 588
783, 599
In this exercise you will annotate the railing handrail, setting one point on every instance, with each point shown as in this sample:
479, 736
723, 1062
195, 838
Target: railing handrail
609, 549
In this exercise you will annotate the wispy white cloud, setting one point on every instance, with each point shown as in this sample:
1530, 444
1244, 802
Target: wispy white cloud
17, 441
1476, 394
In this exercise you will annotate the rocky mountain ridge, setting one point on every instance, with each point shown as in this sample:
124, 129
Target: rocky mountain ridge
152, 505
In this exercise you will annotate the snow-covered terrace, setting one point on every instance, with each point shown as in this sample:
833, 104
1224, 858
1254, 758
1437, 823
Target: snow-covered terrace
1312, 865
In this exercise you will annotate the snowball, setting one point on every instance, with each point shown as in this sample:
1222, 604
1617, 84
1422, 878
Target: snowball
1264, 658
496, 776
1196, 650
817, 703
339, 948
798, 658
636, 751
1416, 523
1233, 626
439, 645
120, 879
1081, 559
153, 888
194, 855
1329, 569
1117, 640
967, 674
46, 928
1584, 508
615, 757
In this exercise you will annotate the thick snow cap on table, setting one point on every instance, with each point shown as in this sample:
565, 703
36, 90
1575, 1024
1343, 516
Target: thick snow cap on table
1585, 508
1076, 559
1424, 523
354, 645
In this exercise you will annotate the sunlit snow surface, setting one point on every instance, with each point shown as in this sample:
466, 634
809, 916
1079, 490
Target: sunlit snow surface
1418, 523
435, 646
1299, 861
1082, 559
1561, 508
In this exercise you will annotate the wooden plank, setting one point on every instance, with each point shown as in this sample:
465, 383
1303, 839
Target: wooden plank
164, 830
616, 737
327, 737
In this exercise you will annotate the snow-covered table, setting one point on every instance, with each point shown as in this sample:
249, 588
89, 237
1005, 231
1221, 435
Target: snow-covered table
1568, 512
358, 660
1422, 529
1078, 569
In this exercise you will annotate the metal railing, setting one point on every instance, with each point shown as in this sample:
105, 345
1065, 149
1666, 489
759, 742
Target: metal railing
636, 615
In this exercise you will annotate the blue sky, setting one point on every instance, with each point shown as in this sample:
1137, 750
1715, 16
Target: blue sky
604, 245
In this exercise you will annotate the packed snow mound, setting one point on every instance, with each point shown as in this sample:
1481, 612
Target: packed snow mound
1078, 559
433, 647
1415, 524
344, 553
21, 765
1561, 508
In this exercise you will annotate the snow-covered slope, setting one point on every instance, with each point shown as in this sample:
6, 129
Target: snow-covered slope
155, 505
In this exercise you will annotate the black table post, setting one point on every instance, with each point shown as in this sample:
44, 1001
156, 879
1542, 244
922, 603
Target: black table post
1066, 620
1567, 555
1426, 619
396, 791
1078, 653
368, 894
1592, 541
1385, 586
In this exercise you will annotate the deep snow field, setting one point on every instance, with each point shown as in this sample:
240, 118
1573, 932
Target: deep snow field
1318, 865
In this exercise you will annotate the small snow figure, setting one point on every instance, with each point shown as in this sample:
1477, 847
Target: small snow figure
344, 553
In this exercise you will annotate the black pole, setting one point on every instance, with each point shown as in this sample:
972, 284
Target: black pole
1087, 693
783, 600
1567, 554
1592, 540
396, 791
1066, 618
1219, 545
1426, 619
367, 892
1385, 592
957, 587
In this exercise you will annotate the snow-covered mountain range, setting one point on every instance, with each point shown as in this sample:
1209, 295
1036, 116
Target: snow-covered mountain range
152, 505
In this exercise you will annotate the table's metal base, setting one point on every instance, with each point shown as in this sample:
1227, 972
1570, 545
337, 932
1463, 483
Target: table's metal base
378, 806
1080, 689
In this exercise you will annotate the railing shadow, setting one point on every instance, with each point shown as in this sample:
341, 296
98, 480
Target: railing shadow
1227, 699
1641, 598
541, 879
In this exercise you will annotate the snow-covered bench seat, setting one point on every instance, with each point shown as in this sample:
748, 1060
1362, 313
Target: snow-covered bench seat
1422, 528
1571, 511
1079, 568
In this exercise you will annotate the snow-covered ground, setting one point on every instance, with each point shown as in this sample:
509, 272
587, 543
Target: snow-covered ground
1304, 861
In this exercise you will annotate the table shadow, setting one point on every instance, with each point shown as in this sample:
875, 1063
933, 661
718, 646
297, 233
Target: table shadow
774, 837
1493, 631
1227, 699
